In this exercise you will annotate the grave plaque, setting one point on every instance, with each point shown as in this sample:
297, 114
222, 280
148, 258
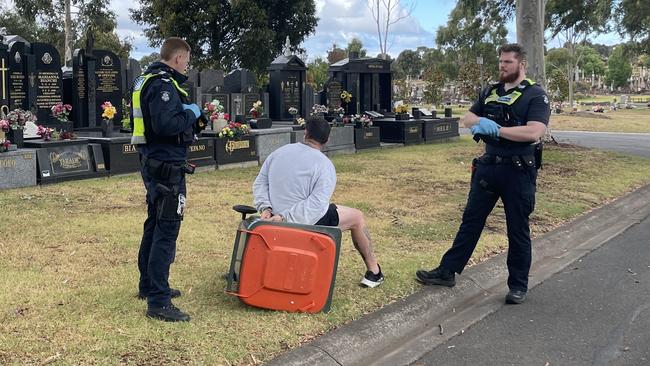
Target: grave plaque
108, 83
18, 76
48, 82
67, 159
333, 94
18, 168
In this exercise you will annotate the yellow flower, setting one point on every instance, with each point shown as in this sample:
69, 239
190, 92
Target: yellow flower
109, 112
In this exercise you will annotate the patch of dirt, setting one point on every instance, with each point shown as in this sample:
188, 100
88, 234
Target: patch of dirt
588, 114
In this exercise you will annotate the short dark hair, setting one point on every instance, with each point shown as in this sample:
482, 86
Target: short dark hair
513, 47
171, 46
318, 129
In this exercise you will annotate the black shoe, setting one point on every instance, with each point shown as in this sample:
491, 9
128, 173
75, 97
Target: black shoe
437, 276
175, 293
372, 280
169, 313
515, 297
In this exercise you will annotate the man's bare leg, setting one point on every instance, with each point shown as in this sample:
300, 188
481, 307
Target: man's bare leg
352, 219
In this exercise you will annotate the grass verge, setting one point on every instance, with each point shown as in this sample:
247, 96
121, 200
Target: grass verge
69, 270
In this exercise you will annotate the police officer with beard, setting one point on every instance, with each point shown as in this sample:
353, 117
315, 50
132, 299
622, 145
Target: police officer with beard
511, 118
164, 125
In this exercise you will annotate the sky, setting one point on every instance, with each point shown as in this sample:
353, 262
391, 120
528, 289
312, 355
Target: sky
342, 20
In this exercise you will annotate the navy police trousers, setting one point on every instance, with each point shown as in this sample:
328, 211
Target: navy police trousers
516, 188
158, 245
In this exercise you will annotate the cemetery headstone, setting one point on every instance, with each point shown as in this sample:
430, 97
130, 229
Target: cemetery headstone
333, 90
48, 82
108, 83
19, 75
287, 75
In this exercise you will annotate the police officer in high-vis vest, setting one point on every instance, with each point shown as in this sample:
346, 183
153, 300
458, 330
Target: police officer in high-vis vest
164, 125
511, 118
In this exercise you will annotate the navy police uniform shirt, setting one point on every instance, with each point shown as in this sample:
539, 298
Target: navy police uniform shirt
532, 105
161, 102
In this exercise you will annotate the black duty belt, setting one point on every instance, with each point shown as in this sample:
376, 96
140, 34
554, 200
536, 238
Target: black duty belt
167, 171
516, 160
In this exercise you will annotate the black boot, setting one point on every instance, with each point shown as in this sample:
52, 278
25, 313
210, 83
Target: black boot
438, 276
169, 313
515, 297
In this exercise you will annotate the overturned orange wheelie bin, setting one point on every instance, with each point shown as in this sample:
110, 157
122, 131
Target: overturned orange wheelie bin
283, 266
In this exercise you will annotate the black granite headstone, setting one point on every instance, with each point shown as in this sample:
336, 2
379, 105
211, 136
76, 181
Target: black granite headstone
239, 81
333, 90
287, 75
108, 83
133, 70
248, 100
18, 76
48, 82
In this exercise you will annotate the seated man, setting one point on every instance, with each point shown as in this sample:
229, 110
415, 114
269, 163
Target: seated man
295, 185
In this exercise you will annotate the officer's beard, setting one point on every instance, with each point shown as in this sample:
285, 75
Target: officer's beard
509, 78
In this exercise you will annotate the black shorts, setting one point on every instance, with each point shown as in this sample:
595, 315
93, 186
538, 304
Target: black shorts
331, 217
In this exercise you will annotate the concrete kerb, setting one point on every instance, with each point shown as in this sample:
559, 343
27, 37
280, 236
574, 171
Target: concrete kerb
403, 331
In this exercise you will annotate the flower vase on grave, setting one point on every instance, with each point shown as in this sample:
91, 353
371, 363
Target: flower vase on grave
16, 136
107, 127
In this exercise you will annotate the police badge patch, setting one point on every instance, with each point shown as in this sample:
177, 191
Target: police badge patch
165, 96
545, 99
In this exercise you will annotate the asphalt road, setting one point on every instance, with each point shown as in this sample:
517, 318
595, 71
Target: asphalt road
595, 312
632, 143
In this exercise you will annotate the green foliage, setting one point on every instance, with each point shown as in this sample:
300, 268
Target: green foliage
633, 19
590, 61
435, 82
147, 60
42, 21
558, 86
618, 68
558, 59
336, 54
408, 63
469, 81
581, 18
228, 34
356, 45
317, 73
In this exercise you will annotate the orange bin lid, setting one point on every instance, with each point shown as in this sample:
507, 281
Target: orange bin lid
285, 267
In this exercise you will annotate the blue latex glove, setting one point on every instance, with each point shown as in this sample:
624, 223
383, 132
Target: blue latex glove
194, 108
486, 126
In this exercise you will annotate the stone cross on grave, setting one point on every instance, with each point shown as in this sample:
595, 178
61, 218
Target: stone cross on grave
287, 47
3, 75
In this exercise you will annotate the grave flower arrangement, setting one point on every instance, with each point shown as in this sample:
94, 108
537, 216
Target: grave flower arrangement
109, 111
402, 109
318, 108
45, 133
293, 111
339, 110
234, 131
361, 121
346, 96
4, 145
257, 109
18, 118
299, 124
61, 112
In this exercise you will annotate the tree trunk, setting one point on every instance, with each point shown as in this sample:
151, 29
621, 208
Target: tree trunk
530, 34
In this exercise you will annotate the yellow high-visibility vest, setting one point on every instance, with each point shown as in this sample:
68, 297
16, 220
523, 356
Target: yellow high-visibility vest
138, 137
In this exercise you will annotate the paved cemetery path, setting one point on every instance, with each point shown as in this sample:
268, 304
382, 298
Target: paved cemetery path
594, 312
631, 143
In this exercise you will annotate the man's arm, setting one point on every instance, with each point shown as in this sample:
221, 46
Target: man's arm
469, 119
166, 109
261, 196
311, 209
531, 132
